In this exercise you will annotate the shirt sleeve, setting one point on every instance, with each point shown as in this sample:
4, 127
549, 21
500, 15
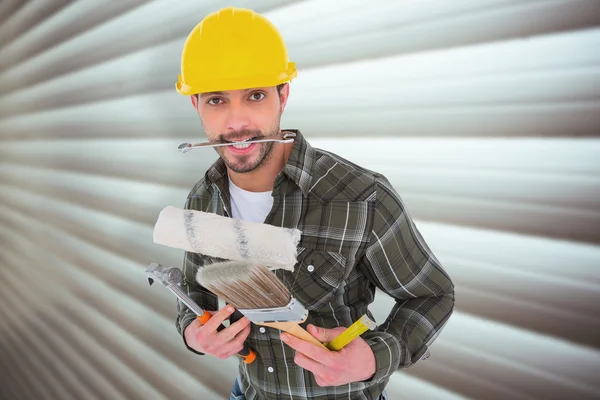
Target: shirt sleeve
200, 295
399, 262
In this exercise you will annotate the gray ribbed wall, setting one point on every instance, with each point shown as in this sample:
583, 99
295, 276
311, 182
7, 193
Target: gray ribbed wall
485, 115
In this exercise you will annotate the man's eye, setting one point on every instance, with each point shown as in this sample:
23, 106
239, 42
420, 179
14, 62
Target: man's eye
215, 101
257, 96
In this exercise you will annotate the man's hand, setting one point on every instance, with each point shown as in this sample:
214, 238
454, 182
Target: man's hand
353, 363
222, 344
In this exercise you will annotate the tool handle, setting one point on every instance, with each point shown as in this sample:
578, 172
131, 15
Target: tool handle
359, 327
205, 317
246, 354
294, 329
345, 337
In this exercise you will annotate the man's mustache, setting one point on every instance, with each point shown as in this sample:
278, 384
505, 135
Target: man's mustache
240, 135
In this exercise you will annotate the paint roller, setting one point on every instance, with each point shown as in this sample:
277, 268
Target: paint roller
227, 238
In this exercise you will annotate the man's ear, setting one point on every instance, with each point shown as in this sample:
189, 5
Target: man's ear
194, 99
283, 96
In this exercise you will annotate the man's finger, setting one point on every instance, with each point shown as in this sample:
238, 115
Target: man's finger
231, 348
218, 318
243, 334
232, 330
309, 364
310, 350
242, 323
195, 324
190, 331
324, 335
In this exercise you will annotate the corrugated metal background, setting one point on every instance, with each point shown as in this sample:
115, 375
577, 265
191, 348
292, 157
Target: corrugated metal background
485, 115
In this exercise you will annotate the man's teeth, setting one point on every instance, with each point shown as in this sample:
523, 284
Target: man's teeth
242, 145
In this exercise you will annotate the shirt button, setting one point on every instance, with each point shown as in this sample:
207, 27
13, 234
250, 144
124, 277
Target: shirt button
262, 330
310, 268
270, 369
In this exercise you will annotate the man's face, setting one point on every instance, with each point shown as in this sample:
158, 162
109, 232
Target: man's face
239, 115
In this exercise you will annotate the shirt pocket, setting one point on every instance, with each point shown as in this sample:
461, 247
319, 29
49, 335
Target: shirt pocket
316, 276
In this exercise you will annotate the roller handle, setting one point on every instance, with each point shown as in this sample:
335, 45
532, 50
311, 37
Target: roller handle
246, 354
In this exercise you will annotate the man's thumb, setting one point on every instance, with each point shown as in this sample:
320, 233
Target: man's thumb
322, 334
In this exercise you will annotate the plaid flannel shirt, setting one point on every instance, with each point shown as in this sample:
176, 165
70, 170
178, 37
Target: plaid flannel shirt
356, 236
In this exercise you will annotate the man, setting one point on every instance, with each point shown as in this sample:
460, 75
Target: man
356, 233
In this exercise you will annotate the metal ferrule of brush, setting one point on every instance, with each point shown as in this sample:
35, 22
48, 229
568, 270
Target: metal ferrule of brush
292, 312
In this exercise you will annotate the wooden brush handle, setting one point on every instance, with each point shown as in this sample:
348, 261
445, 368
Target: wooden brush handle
294, 329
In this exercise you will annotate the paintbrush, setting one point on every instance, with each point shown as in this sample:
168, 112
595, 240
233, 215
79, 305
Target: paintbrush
258, 294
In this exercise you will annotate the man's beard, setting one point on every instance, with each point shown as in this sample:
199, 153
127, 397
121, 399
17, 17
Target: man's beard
253, 161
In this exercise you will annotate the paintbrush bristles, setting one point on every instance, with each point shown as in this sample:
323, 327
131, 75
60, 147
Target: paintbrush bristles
244, 285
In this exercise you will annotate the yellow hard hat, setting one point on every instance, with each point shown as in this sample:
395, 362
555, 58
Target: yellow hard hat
233, 48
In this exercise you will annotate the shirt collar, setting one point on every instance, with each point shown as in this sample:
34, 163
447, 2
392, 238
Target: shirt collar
299, 167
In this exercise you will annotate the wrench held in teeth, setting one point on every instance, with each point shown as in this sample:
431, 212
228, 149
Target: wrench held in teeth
288, 137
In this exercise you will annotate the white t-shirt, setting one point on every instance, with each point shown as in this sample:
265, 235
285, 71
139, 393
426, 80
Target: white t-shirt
249, 206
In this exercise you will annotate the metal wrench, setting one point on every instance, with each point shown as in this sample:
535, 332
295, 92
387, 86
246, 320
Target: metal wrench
185, 147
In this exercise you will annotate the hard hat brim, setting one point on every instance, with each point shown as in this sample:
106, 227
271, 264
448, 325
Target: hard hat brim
231, 83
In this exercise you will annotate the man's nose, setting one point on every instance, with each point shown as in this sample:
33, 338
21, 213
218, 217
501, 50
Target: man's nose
238, 118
